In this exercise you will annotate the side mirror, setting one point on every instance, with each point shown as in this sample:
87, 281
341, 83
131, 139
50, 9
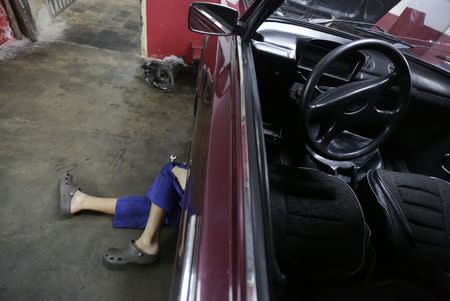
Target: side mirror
212, 19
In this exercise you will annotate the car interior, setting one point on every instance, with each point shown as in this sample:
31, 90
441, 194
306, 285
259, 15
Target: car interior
358, 154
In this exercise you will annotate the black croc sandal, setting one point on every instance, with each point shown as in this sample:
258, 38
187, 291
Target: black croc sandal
67, 190
132, 254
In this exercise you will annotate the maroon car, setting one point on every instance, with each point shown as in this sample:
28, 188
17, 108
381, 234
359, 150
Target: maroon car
320, 153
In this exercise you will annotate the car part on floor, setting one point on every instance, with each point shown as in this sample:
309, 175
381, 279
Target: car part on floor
161, 74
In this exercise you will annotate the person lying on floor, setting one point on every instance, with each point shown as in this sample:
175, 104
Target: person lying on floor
161, 204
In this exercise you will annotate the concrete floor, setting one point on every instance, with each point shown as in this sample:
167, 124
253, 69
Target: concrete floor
77, 102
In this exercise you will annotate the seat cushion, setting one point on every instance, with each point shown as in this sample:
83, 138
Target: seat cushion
319, 227
416, 217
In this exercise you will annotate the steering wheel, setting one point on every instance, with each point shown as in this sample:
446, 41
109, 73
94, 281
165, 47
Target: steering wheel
329, 117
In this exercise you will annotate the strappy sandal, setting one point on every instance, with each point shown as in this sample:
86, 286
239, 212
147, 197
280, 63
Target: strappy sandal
132, 254
67, 191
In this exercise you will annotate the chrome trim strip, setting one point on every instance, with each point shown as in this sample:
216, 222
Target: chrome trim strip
248, 215
274, 49
188, 274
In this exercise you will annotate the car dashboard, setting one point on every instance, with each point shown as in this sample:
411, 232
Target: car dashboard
311, 52
305, 46
285, 53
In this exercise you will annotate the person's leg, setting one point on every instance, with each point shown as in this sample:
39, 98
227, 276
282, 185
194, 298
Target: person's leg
149, 240
164, 197
83, 201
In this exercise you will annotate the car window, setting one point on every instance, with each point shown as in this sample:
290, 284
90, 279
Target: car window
421, 28
425, 25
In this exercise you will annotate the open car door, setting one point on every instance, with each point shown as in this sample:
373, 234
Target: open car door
223, 240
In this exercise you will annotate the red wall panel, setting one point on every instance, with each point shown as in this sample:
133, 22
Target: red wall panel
5, 29
167, 30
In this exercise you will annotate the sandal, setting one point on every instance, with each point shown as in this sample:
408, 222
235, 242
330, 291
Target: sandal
130, 254
67, 190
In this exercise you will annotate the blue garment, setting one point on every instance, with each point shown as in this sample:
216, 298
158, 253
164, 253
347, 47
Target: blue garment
165, 192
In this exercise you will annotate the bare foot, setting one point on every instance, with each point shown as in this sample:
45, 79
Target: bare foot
149, 248
76, 204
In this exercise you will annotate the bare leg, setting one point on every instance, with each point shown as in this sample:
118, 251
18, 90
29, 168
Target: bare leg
82, 201
149, 240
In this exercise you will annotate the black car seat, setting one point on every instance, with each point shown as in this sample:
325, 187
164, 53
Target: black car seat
318, 225
409, 217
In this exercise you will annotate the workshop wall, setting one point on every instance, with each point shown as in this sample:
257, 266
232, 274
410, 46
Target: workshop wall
40, 13
165, 31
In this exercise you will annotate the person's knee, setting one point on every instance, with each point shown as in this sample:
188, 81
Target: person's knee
166, 170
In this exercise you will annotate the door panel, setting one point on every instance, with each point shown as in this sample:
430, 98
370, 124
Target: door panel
212, 192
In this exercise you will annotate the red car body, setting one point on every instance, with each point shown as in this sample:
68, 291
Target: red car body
225, 249
212, 261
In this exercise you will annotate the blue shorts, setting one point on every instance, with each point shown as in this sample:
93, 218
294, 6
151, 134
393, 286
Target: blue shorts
165, 192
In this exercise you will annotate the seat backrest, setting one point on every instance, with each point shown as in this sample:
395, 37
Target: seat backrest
419, 235
319, 227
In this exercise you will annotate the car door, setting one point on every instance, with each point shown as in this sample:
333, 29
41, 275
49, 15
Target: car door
221, 253
209, 261
209, 242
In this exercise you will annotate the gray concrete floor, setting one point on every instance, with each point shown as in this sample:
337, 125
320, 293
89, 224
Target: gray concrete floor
77, 102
